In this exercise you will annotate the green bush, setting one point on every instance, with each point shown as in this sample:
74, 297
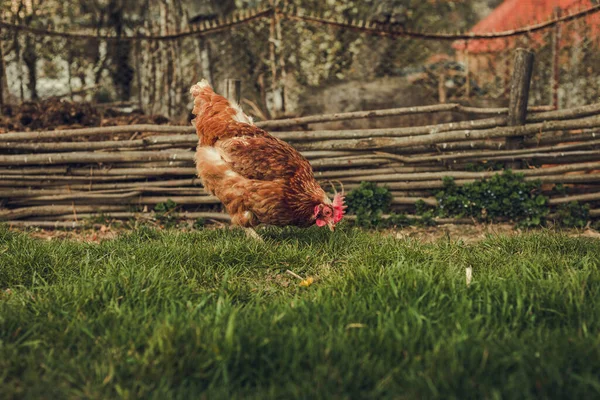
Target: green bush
484, 166
368, 202
502, 197
573, 215
199, 223
166, 213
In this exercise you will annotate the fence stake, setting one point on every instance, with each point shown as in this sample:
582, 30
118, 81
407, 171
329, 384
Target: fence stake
272, 57
519, 96
233, 90
442, 87
556, 60
2, 73
467, 72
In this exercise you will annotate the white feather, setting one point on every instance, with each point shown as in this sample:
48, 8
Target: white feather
209, 155
240, 116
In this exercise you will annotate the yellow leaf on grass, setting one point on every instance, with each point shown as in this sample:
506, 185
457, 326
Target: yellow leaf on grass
307, 282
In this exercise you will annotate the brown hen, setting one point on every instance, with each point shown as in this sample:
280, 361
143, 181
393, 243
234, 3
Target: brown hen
258, 178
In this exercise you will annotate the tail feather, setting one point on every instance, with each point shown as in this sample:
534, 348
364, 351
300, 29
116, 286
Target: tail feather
213, 113
202, 93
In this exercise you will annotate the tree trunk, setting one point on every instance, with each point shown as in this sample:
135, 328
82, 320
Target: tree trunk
120, 52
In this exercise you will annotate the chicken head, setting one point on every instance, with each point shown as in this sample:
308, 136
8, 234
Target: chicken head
329, 214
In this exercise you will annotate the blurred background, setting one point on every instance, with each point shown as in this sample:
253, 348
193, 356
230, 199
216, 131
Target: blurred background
294, 58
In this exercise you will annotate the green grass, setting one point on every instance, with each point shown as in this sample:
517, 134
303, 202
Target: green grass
212, 315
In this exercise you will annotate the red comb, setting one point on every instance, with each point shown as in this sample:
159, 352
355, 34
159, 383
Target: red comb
338, 207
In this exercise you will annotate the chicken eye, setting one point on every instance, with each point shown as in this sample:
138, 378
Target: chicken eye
327, 212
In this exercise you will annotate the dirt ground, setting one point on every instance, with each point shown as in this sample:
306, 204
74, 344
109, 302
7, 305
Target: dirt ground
474, 233
466, 233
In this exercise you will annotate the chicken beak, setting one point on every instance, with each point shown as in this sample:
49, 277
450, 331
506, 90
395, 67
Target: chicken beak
331, 226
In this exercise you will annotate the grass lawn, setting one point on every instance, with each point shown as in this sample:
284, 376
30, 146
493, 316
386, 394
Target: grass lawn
213, 315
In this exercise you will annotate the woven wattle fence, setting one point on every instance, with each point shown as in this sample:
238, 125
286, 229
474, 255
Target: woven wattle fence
55, 179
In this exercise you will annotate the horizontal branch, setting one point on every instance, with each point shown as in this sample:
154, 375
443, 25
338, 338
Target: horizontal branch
589, 197
309, 136
219, 216
146, 164
476, 175
70, 193
90, 196
85, 146
190, 182
137, 200
452, 136
140, 172
92, 157
104, 130
551, 157
392, 112
374, 171
34, 170
36, 211
560, 137
439, 183
567, 113
28, 180
485, 154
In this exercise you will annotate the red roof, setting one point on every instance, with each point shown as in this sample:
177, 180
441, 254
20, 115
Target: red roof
513, 14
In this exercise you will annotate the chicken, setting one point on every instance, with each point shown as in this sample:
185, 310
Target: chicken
259, 179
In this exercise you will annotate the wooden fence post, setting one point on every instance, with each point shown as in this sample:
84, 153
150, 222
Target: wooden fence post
467, 72
2, 72
556, 60
519, 97
233, 90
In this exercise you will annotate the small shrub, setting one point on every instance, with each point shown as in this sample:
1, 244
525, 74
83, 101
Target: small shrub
166, 213
100, 218
427, 214
199, 223
368, 202
396, 221
484, 166
573, 215
559, 188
